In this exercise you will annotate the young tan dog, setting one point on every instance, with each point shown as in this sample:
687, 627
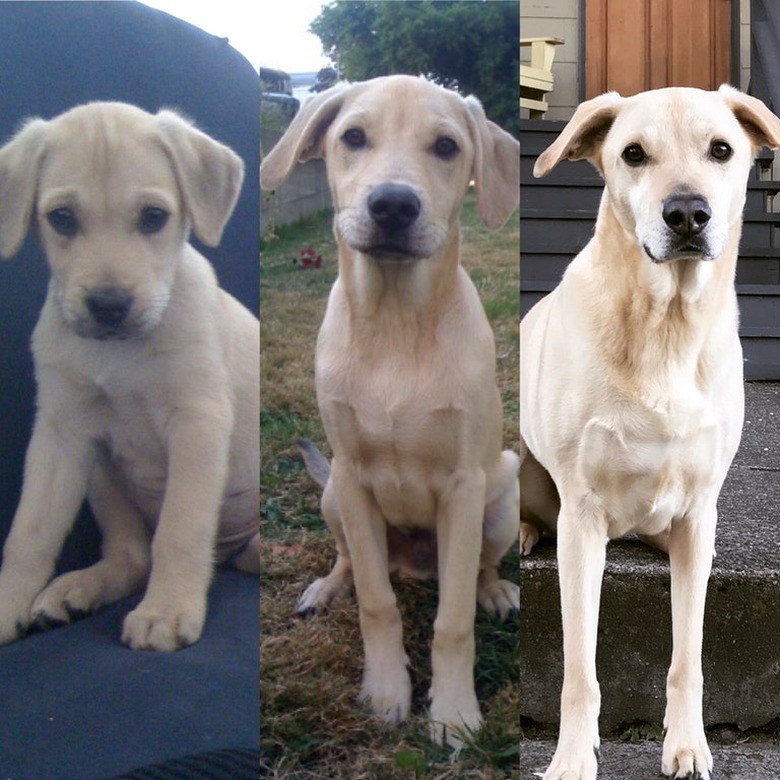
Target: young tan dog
148, 373
405, 375
631, 381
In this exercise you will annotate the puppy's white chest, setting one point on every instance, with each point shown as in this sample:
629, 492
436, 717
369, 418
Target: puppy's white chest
647, 467
403, 457
400, 446
133, 441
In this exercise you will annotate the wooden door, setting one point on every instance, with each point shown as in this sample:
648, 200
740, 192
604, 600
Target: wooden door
634, 45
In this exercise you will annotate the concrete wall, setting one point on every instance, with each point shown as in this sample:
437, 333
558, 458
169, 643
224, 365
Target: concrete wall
556, 18
305, 191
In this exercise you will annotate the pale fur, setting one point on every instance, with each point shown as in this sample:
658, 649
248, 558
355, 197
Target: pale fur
405, 378
631, 388
160, 429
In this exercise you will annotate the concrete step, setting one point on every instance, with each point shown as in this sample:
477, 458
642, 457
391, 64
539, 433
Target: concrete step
741, 656
642, 761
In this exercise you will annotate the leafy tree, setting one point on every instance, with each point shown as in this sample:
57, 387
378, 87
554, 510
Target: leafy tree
326, 78
468, 45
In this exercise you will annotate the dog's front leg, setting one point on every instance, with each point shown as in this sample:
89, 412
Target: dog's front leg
386, 682
691, 547
454, 706
56, 473
173, 611
123, 567
581, 556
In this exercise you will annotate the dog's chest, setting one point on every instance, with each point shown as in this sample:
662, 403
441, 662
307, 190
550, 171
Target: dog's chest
406, 407
132, 440
403, 451
646, 467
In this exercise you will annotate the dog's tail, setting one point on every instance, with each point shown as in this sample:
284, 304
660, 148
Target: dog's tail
316, 463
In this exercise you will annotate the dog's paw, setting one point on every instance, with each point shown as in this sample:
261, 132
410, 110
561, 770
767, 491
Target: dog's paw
13, 624
576, 765
453, 722
688, 758
15, 612
529, 536
149, 627
65, 599
388, 693
320, 595
499, 597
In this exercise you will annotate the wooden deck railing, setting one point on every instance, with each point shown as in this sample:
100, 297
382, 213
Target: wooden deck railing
536, 79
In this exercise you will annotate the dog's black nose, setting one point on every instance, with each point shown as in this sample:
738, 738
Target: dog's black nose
109, 306
686, 214
393, 206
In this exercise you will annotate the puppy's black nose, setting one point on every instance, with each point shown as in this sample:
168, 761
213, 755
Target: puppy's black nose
686, 214
393, 206
109, 306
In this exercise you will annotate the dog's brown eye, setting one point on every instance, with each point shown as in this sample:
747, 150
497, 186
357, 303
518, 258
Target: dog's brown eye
445, 148
153, 220
720, 151
354, 138
634, 154
63, 221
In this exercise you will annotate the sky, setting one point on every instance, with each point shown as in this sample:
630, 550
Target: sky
272, 33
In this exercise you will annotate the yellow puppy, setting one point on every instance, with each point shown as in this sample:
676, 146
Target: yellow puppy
405, 375
148, 373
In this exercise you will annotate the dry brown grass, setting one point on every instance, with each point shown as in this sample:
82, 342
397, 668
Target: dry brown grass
311, 726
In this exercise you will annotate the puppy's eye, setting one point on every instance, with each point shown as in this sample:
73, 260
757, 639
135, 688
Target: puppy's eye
153, 220
720, 151
634, 154
445, 148
63, 221
354, 138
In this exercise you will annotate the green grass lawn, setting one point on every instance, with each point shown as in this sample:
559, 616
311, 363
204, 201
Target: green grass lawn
311, 725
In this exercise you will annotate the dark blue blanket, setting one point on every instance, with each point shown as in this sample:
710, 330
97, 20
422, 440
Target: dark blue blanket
75, 704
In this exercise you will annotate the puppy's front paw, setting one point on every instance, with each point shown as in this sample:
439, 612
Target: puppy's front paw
15, 614
453, 722
14, 623
686, 756
388, 692
151, 627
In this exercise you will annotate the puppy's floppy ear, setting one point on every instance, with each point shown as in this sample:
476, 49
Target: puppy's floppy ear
20, 162
496, 169
761, 125
583, 136
303, 139
208, 172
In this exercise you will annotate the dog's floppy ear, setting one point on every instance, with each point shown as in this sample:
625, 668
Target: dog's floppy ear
208, 172
496, 170
582, 137
761, 125
303, 139
20, 161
